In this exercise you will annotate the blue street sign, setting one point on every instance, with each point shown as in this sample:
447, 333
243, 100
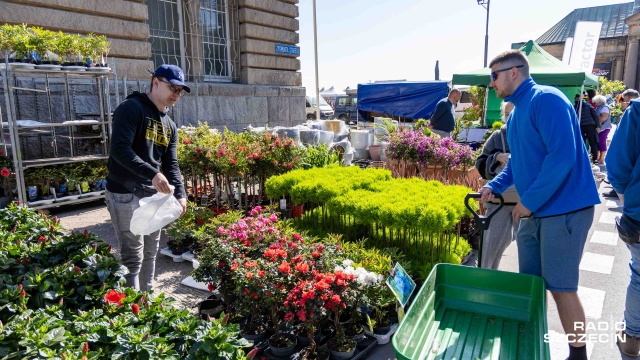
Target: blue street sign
287, 49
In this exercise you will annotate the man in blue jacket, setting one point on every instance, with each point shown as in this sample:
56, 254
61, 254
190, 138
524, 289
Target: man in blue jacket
552, 175
443, 120
623, 169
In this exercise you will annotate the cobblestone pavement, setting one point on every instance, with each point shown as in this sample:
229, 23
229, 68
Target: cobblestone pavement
95, 218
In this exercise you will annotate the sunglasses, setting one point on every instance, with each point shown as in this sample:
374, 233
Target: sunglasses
173, 88
494, 74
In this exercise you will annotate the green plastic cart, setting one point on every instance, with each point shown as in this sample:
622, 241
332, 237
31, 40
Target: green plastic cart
470, 313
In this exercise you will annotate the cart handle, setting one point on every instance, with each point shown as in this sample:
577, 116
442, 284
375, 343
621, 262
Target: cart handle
482, 221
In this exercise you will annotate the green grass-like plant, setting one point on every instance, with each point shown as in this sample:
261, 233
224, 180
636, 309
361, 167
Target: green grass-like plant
419, 218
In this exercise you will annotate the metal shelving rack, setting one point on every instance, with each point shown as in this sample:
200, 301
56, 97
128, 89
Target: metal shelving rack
54, 127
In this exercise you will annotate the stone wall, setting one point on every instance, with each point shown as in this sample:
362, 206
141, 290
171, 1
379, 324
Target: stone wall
269, 92
612, 49
234, 106
263, 24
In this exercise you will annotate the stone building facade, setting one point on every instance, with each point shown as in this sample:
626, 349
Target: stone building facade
618, 46
227, 49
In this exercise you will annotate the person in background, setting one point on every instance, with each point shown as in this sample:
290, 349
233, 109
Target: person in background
623, 170
589, 126
590, 95
502, 228
143, 160
624, 100
552, 174
604, 119
443, 120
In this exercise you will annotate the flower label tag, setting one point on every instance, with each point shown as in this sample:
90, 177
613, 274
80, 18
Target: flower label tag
401, 284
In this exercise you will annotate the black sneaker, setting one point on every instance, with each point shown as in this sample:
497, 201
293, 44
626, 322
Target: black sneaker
611, 194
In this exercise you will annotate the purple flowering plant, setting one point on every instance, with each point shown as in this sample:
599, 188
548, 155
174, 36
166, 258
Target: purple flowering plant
415, 146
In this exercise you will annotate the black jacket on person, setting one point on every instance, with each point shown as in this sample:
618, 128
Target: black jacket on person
144, 142
443, 118
588, 115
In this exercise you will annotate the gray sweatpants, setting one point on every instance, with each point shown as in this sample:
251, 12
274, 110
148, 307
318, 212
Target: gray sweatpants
502, 230
138, 252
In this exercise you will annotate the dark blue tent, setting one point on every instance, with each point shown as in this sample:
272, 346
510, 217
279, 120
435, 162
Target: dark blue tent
413, 100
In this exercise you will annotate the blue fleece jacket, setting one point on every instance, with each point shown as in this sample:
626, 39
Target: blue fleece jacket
549, 163
623, 168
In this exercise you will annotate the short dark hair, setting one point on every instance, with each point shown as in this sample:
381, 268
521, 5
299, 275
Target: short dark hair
630, 93
591, 93
151, 84
513, 57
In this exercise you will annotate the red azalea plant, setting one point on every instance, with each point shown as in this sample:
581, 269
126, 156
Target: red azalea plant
325, 294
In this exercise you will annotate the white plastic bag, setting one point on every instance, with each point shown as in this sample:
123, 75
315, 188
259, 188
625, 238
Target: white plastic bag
154, 213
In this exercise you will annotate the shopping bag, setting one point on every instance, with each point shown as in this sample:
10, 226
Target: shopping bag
154, 213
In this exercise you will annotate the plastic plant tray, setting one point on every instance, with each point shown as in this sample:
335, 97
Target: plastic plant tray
363, 348
470, 313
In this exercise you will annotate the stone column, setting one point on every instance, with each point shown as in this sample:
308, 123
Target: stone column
618, 69
631, 63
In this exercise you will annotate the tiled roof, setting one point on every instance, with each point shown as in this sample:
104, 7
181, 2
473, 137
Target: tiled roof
612, 17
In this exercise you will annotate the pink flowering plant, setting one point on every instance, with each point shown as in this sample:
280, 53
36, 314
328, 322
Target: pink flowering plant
415, 146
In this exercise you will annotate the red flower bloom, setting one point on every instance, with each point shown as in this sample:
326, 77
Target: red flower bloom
288, 316
186, 141
309, 295
234, 267
303, 268
321, 286
5, 172
114, 297
135, 309
315, 254
284, 267
211, 287
249, 275
261, 273
85, 348
302, 315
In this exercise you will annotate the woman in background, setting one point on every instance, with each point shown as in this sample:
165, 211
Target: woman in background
502, 229
604, 118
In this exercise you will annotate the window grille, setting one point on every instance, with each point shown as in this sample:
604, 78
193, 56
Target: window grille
199, 35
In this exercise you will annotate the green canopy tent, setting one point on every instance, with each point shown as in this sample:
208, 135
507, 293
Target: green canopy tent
544, 68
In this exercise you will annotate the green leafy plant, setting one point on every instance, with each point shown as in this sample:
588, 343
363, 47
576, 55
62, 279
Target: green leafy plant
478, 96
44, 42
384, 129
23, 41
319, 156
610, 87
63, 297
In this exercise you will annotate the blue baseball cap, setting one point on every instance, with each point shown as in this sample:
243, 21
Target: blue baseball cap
173, 74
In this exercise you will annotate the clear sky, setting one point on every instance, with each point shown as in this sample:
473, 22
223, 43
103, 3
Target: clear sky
367, 40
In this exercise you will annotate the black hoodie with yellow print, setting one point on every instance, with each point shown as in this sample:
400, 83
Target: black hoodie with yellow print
143, 143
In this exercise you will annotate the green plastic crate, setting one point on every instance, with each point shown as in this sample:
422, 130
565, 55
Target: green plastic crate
470, 313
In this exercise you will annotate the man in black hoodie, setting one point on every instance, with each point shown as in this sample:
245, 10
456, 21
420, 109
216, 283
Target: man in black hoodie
144, 161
